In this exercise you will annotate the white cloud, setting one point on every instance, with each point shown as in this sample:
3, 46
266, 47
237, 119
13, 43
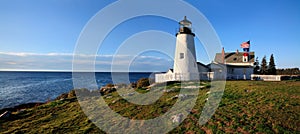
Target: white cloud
63, 61
11, 63
22, 54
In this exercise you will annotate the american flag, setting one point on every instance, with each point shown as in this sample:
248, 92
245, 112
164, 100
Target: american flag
245, 44
246, 49
245, 54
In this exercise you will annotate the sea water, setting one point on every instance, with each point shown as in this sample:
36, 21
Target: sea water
23, 87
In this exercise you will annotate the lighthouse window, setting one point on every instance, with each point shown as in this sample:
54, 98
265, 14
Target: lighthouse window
245, 59
181, 55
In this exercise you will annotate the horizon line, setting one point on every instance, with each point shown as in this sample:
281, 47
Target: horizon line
81, 71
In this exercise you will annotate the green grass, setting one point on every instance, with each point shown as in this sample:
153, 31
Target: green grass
246, 107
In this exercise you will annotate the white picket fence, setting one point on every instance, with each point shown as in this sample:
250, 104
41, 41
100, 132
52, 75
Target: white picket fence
266, 77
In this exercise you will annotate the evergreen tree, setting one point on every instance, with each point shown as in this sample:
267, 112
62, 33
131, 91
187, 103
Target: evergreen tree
271, 67
288, 71
256, 69
264, 66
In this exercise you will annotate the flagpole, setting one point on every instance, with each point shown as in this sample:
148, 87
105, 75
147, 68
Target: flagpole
246, 55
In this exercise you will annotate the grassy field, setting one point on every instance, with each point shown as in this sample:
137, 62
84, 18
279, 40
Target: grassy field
246, 107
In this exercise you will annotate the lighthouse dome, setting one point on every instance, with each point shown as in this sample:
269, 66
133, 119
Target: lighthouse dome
185, 23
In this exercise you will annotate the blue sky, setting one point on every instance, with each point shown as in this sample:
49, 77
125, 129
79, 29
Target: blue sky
42, 35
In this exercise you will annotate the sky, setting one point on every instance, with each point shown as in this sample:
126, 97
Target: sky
42, 35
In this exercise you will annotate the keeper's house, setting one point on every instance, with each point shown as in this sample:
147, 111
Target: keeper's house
239, 65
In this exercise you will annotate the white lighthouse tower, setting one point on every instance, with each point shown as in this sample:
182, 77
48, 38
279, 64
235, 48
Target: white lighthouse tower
185, 65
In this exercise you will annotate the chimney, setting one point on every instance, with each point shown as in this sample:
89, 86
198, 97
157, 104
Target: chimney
223, 55
237, 51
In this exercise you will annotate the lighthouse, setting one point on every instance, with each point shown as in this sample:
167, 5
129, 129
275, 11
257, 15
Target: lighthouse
185, 65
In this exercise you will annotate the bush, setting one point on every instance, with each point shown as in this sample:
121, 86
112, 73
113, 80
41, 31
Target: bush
142, 83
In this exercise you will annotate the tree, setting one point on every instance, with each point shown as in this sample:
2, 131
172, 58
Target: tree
256, 69
288, 71
264, 66
271, 67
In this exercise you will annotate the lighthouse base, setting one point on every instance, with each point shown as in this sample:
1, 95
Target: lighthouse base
159, 78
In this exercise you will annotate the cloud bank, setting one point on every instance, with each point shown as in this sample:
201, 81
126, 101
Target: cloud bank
11, 61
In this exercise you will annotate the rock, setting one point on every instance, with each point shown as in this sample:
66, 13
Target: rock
133, 85
177, 118
6, 114
167, 91
107, 90
115, 101
130, 94
108, 97
180, 96
121, 85
194, 87
21, 111
62, 96
71, 94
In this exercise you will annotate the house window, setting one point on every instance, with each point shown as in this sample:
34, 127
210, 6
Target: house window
181, 55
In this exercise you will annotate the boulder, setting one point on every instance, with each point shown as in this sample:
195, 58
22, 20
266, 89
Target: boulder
177, 118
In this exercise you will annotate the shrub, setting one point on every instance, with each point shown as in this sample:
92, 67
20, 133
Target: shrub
142, 83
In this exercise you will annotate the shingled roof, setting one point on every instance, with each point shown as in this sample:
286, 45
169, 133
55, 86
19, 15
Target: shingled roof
234, 57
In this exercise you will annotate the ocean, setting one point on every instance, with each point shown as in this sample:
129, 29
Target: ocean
24, 87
